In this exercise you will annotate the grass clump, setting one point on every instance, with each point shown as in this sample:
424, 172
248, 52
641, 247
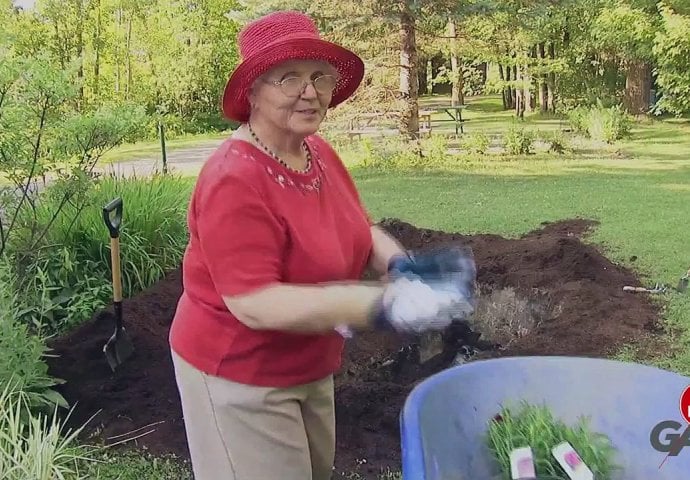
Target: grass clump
536, 427
35, 446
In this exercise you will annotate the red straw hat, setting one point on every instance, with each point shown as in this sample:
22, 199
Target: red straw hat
282, 36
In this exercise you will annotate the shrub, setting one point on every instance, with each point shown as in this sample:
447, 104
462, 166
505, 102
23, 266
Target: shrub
609, 124
22, 354
393, 153
606, 124
69, 273
434, 150
477, 143
33, 446
556, 140
578, 119
518, 140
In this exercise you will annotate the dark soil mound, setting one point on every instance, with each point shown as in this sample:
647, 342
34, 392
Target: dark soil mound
573, 294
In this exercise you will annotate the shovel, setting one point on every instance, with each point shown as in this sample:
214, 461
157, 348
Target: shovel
119, 347
683, 282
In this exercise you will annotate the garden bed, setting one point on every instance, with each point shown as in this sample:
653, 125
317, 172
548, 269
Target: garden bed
546, 293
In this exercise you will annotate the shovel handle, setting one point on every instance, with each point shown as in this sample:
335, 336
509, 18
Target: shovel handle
113, 224
113, 221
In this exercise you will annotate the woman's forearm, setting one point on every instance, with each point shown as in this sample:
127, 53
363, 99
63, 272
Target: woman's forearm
384, 247
309, 308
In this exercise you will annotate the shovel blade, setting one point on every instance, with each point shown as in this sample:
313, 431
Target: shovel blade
118, 349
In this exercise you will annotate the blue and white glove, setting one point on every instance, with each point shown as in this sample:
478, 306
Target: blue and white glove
428, 291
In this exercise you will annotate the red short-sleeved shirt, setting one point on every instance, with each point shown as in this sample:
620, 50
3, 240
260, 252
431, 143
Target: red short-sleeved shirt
253, 222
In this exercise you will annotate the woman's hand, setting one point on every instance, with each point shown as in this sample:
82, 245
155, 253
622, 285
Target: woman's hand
428, 291
384, 248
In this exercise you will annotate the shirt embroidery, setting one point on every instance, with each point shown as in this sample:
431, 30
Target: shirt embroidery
308, 185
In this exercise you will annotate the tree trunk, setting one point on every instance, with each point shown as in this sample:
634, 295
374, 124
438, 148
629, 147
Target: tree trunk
514, 93
409, 86
128, 90
504, 93
543, 87
509, 90
638, 82
97, 49
118, 80
457, 97
80, 51
520, 93
527, 93
422, 74
551, 81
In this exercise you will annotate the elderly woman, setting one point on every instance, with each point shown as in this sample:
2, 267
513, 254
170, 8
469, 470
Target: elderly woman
279, 241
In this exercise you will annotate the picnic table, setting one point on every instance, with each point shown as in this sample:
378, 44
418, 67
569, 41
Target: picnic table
455, 113
361, 123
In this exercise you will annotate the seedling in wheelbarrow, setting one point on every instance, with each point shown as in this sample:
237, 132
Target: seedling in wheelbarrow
119, 347
536, 428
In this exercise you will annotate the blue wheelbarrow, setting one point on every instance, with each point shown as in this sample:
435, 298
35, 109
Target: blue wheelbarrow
445, 419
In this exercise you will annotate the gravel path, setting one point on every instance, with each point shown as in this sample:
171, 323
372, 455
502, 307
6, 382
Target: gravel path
185, 161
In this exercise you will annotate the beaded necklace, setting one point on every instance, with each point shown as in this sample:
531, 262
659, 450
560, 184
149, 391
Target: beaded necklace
277, 158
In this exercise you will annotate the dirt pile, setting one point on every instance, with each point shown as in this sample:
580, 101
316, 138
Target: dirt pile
544, 294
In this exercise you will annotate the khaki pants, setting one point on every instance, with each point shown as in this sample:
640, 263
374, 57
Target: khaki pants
241, 432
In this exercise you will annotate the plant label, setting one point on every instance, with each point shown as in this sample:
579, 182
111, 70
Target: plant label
522, 464
571, 462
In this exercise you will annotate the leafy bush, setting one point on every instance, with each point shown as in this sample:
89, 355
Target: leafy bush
672, 51
609, 124
22, 354
606, 124
578, 119
69, 273
392, 153
518, 140
556, 140
476, 143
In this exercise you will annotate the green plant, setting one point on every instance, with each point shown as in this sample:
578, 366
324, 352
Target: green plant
609, 124
22, 354
518, 140
64, 276
577, 118
556, 140
476, 143
606, 124
135, 466
396, 154
536, 427
35, 446
434, 150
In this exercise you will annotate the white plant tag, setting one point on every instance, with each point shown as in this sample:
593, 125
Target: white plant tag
571, 462
522, 464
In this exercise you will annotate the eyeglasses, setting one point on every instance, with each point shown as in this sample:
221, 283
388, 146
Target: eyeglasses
294, 86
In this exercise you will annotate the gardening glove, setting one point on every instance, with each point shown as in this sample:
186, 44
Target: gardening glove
428, 291
447, 266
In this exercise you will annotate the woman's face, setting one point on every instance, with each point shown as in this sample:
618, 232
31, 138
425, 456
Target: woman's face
291, 106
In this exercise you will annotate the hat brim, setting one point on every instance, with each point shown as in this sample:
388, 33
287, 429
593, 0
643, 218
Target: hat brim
349, 65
